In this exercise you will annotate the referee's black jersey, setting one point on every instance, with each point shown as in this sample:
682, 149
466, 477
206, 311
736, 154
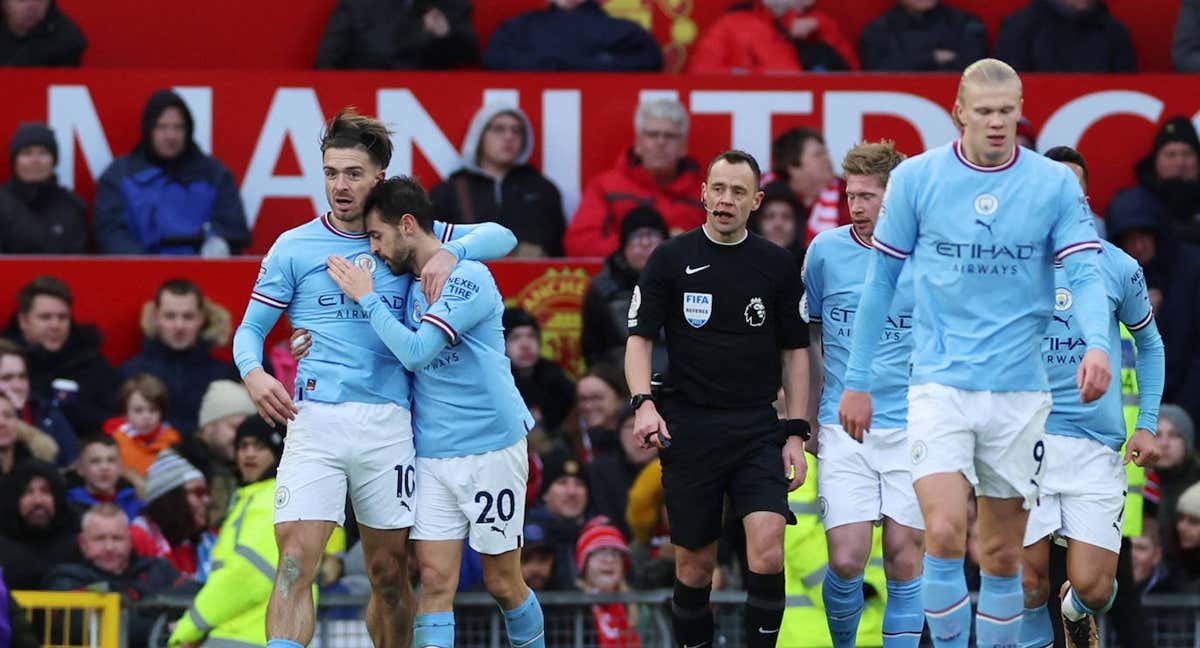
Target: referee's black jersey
728, 309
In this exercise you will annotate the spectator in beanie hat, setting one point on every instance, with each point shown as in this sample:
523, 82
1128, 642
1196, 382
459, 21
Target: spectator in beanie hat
562, 511
254, 430
1183, 549
174, 524
606, 304
225, 405
539, 380
1176, 158
1177, 467
602, 560
37, 215
598, 534
1170, 172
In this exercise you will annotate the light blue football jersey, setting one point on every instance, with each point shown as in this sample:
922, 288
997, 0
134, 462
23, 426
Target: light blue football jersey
347, 363
835, 268
982, 242
1063, 347
464, 399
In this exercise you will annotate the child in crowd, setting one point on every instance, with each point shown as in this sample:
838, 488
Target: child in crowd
602, 560
141, 432
97, 478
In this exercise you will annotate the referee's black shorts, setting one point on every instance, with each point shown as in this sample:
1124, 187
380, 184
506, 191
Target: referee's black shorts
717, 452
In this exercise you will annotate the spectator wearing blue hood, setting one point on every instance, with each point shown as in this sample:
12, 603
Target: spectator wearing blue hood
498, 184
168, 197
1137, 223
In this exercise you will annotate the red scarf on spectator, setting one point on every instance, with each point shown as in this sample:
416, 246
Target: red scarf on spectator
829, 211
612, 627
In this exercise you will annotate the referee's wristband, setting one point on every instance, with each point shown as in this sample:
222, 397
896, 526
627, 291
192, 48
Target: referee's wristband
794, 427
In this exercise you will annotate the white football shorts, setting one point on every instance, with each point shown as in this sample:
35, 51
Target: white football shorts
1082, 495
479, 497
364, 447
995, 439
865, 482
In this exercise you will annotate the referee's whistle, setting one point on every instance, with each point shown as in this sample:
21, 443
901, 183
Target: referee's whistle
666, 443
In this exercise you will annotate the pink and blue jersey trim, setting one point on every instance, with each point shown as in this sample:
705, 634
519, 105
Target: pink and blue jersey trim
1077, 247
893, 252
268, 300
442, 324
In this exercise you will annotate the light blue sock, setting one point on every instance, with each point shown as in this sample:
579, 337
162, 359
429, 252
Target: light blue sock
1075, 609
903, 618
843, 607
1001, 606
434, 629
525, 625
1036, 628
282, 643
947, 604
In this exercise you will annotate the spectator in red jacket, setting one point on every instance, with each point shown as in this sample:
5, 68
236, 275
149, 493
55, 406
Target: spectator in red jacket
773, 36
800, 161
655, 171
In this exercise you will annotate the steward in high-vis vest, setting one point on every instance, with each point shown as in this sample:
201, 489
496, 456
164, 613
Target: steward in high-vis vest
1135, 475
805, 557
231, 610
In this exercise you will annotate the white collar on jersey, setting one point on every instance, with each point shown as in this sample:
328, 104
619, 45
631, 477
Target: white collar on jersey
745, 235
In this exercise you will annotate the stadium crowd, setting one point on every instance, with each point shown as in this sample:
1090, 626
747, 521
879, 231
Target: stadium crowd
125, 476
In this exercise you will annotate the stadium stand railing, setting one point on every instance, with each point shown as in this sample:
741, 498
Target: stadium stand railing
73, 619
1173, 620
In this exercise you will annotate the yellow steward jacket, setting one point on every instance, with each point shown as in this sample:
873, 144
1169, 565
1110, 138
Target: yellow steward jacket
1135, 476
231, 610
806, 557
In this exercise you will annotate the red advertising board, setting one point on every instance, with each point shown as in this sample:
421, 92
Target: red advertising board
110, 292
265, 125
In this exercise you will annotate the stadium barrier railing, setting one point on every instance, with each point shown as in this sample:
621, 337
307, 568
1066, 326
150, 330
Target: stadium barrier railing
73, 619
1172, 620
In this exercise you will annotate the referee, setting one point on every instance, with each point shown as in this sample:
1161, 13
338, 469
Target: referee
730, 304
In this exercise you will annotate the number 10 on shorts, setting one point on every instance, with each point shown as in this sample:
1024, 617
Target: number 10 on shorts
406, 481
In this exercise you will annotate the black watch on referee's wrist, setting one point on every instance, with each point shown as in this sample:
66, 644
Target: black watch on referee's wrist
636, 401
795, 427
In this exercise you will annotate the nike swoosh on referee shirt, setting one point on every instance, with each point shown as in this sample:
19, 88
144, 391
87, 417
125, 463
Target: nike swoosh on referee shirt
765, 631
690, 270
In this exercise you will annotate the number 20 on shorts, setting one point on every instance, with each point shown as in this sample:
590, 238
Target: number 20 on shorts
505, 502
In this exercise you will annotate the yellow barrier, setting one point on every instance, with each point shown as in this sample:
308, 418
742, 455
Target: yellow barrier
73, 619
